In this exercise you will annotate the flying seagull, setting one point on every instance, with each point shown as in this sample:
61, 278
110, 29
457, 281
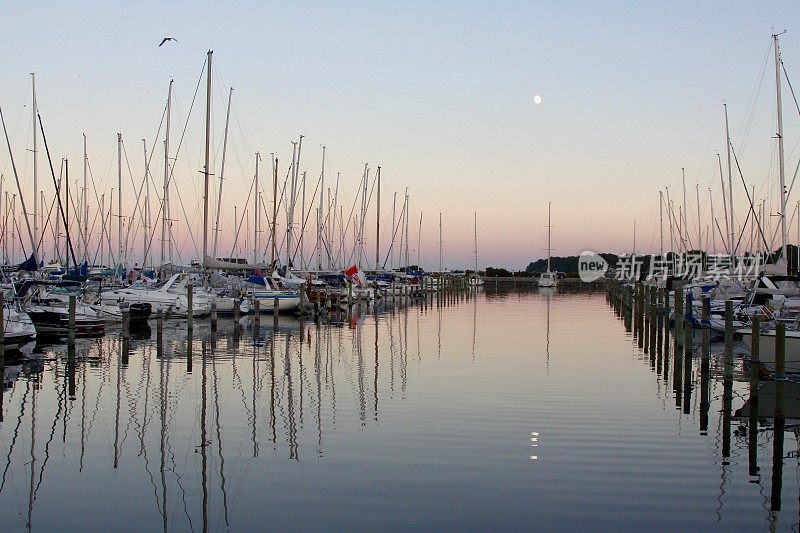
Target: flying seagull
168, 39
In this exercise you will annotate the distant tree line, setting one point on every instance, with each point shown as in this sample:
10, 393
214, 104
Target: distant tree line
567, 264
498, 272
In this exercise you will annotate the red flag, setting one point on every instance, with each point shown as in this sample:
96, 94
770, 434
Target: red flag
354, 276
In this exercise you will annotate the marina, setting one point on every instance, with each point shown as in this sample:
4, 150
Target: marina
400, 267
487, 407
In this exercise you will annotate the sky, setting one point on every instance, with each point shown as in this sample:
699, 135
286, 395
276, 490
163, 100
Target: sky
439, 94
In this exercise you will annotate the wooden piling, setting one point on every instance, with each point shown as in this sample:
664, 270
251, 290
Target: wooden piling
779, 427
159, 327
678, 316
236, 311
677, 375
256, 311
687, 340
2, 335
659, 314
275, 308
213, 316
349, 292
752, 423
687, 371
728, 335
755, 361
190, 306
780, 349
302, 301
72, 305
705, 367
70, 371
779, 417
706, 329
648, 317
126, 323
653, 319
640, 314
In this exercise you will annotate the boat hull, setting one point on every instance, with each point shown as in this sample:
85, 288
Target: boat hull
766, 348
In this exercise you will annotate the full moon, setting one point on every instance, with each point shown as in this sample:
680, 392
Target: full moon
537, 99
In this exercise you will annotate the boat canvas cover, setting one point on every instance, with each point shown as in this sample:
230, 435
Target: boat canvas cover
217, 264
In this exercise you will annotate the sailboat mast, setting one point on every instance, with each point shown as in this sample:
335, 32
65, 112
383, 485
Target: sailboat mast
85, 204
165, 208
730, 184
441, 267
110, 228
476, 245
713, 222
207, 168
378, 223
103, 232
548, 236
119, 197
36, 172
255, 215
671, 217
724, 207
290, 211
66, 211
780, 149
146, 222
408, 213
320, 220
699, 225
661, 222
274, 207
684, 216
419, 242
222, 171
362, 217
394, 226
303, 224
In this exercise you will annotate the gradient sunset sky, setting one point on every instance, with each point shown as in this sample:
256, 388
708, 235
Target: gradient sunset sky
439, 94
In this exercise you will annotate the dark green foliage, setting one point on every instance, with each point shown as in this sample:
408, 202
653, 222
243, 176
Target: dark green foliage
566, 264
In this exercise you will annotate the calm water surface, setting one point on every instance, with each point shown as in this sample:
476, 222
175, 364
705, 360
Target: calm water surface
506, 411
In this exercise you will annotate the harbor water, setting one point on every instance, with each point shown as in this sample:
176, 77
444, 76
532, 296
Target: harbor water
505, 410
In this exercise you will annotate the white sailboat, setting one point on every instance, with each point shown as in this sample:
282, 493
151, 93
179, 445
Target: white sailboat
548, 278
767, 335
476, 280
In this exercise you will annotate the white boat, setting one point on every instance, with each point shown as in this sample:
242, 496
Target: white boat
288, 300
160, 298
202, 296
94, 308
548, 279
766, 347
18, 329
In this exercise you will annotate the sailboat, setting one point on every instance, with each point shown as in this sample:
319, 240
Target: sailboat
549, 278
476, 280
768, 335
